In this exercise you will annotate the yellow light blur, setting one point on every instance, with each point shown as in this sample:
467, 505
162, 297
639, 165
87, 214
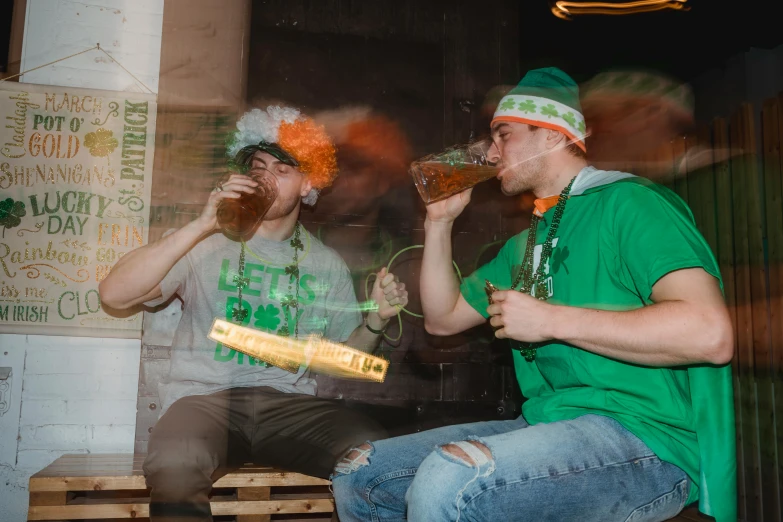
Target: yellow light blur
566, 9
290, 354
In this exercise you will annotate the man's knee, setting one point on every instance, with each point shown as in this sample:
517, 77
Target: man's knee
356, 458
348, 486
438, 490
182, 463
465, 452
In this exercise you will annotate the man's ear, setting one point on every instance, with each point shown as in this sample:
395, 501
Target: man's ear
555, 139
307, 186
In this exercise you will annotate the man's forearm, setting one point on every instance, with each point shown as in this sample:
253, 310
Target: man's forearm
363, 339
670, 333
138, 272
439, 287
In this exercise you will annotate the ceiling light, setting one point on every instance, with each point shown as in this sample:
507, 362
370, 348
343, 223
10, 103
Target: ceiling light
566, 9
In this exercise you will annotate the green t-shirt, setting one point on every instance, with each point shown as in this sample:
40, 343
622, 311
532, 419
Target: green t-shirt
614, 242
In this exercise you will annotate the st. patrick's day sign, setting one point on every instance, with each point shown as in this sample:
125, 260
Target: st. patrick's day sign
75, 180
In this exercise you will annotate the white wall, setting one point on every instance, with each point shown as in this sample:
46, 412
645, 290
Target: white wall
72, 394
129, 30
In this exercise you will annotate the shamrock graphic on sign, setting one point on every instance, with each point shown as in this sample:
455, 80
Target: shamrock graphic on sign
11, 213
101, 142
267, 318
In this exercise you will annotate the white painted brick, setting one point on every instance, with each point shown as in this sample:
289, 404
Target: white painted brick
108, 79
37, 412
85, 386
110, 40
79, 394
139, 63
83, 343
84, 16
60, 386
132, 6
106, 361
130, 30
142, 23
124, 386
43, 412
117, 438
103, 412
12, 354
53, 437
13, 494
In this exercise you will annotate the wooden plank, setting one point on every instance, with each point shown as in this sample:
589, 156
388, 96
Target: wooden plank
707, 188
141, 510
764, 369
253, 494
668, 160
75, 483
694, 179
680, 174
760, 320
740, 179
53, 498
774, 192
726, 262
232, 480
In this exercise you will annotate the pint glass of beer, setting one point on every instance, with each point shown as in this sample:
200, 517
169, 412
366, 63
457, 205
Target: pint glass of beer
438, 176
237, 217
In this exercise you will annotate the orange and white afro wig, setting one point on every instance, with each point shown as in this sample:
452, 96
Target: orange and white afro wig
292, 138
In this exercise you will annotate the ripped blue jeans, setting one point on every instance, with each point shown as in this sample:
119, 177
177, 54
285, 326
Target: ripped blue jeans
587, 469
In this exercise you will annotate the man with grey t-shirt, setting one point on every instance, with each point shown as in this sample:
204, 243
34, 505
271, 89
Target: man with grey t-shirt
220, 407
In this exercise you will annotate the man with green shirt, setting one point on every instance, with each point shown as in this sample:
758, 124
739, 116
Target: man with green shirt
613, 306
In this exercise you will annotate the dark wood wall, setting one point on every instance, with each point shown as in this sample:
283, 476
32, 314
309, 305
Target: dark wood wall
426, 67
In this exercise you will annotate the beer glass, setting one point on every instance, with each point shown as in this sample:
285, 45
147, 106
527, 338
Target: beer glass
438, 176
238, 217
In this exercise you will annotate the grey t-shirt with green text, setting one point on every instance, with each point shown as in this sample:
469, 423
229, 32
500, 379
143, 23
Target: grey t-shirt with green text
204, 279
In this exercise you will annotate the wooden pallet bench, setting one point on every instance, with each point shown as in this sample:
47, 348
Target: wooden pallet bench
106, 487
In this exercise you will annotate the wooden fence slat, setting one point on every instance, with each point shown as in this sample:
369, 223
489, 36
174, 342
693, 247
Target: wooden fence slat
666, 157
694, 180
726, 262
744, 332
707, 187
760, 317
141, 510
680, 185
773, 192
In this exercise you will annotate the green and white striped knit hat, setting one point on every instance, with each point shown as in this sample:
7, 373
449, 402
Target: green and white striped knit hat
547, 98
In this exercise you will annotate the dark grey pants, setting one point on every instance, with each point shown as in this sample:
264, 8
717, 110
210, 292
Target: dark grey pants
201, 438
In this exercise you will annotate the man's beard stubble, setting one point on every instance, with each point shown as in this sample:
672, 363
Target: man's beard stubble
282, 207
525, 176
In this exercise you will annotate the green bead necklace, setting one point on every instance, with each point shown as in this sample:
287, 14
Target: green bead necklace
531, 283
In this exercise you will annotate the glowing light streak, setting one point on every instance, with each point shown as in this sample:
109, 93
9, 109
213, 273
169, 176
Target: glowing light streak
566, 9
290, 354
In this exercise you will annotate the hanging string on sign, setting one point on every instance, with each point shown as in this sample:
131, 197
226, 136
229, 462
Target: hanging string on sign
97, 47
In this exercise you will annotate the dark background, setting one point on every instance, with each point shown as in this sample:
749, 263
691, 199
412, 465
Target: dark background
682, 43
6, 11
429, 66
